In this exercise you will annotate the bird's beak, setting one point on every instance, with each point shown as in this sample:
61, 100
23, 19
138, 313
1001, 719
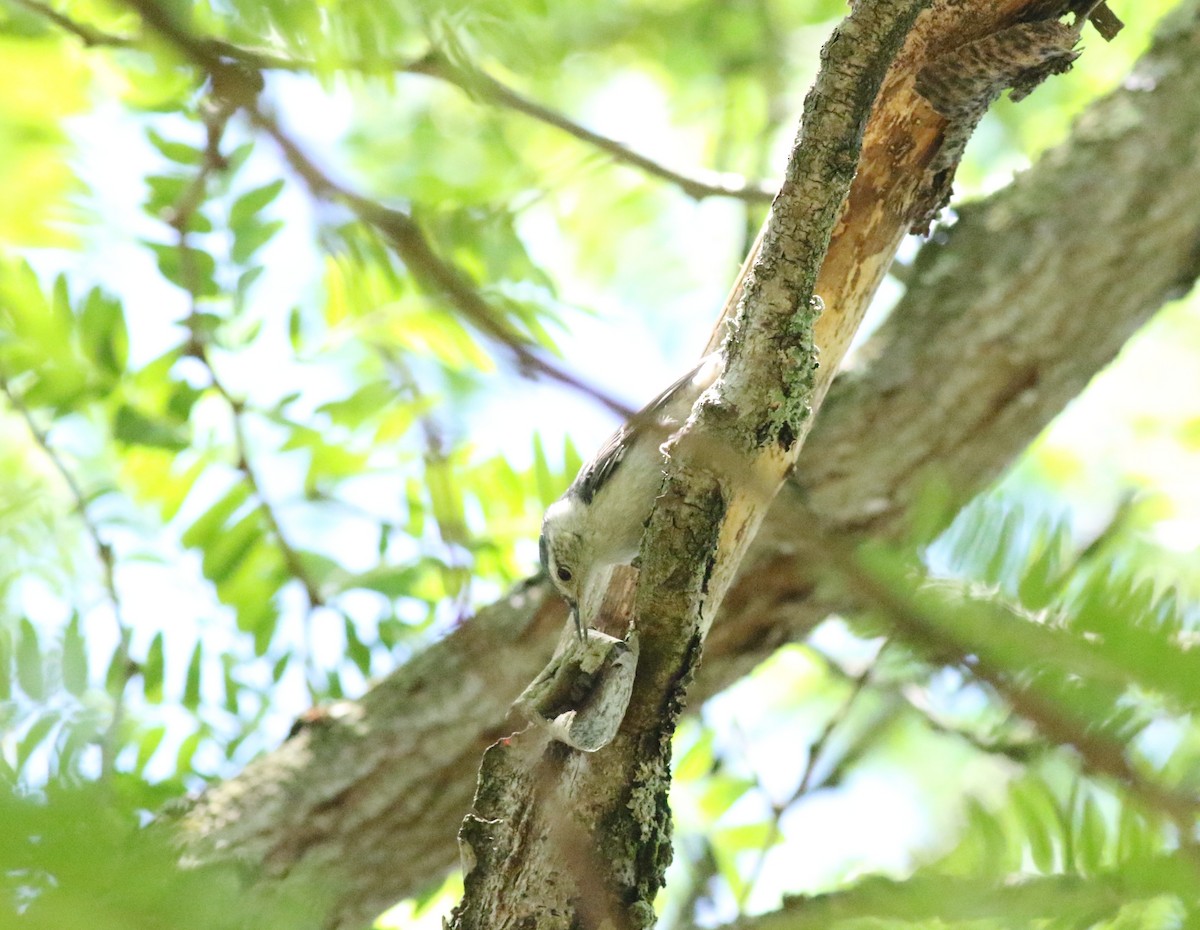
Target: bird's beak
578, 619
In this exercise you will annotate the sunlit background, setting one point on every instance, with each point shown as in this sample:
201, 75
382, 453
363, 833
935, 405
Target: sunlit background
408, 462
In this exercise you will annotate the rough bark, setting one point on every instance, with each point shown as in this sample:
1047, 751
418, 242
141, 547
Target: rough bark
1029, 295
560, 838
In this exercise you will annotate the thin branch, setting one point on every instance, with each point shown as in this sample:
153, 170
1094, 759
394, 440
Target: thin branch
89, 35
1099, 754
185, 208
291, 556
456, 536
478, 84
1018, 750
815, 752
401, 231
107, 559
482, 85
406, 239
239, 86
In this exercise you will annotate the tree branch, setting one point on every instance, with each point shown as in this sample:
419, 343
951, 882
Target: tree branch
935, 633
89, 35
216, 118
696, 185
405, 237
122, 661
587, 837
816, 751
238, 86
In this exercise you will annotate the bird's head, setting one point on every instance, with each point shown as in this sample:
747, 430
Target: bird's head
562, 549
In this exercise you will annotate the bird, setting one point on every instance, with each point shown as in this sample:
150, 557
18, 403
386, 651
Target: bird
599, 520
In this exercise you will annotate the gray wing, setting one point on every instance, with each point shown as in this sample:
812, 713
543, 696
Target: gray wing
593, 476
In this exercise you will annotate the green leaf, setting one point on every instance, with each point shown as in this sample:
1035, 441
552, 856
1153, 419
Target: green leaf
721, 792
280, 666
363, 404
295, 326
152, 669
392, 581
333, 686
1092, 837
237, 158
188, 268
165, 192
205, 528
547, 487
74, 659
414, 525
251, 237
1035, 809
135, 428
232, 686
103, 333
224, 554
262, 624
187, 751
698, 760
178, 152
117, 674
356, 649
572, 461
191, 688
37, 734
30, 673
182, 399
247, 206
446, 501
148, 744
6, 663
745, 837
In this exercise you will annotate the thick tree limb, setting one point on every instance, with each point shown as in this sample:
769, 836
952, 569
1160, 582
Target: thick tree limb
988, 345
561, 838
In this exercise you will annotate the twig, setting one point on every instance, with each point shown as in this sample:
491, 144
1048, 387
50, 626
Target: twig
815, 753
185, 208
107, 559
89, 35
407, 240
1019, 750
697, 185
454, 538
237, 85
1099, 754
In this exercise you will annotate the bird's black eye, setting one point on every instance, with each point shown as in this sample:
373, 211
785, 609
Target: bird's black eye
564, 573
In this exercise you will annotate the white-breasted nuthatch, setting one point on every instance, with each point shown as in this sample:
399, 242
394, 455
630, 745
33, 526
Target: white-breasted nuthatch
599, 521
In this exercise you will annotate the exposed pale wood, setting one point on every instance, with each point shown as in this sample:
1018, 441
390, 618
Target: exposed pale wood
889, 193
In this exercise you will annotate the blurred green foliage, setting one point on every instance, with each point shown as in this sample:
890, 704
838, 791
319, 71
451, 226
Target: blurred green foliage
239, 476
